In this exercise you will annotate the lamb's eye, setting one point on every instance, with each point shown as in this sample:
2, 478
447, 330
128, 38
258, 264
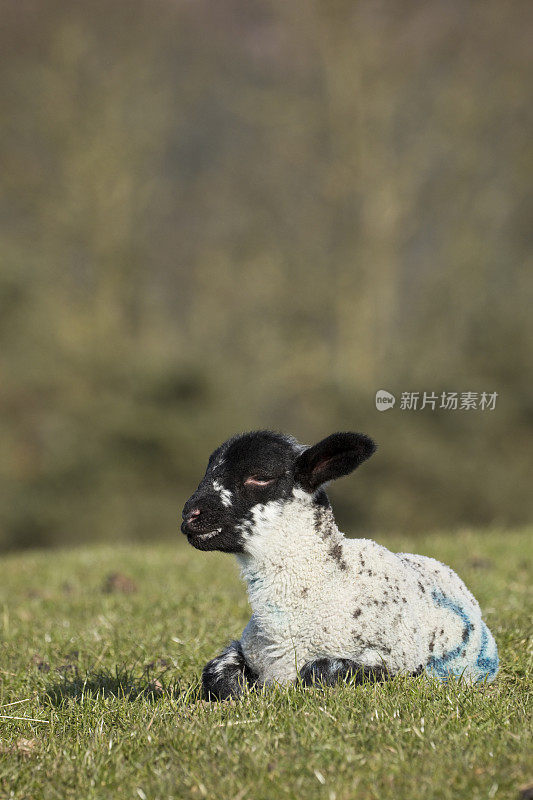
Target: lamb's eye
258, 480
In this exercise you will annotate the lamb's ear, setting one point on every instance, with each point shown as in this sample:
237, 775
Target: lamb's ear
333, 457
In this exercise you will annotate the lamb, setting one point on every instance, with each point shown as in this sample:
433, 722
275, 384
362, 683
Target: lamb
325, 608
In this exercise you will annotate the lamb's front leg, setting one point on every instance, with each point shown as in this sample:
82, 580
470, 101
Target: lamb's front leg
328, 671
227, 675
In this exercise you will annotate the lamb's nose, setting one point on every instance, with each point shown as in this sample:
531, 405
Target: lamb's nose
190, 515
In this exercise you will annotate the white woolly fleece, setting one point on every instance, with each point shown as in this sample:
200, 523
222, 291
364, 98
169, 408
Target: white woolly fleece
315, 594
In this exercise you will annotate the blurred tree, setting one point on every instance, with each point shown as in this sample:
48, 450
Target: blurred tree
223, 215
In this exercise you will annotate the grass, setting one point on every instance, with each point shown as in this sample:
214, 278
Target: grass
110, 666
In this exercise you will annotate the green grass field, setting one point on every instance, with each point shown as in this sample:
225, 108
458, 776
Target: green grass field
110, 668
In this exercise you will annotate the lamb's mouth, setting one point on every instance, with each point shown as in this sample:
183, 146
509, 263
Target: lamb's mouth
208, 534
192, 533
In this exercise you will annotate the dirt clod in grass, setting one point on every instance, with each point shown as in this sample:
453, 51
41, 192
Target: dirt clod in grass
72, 655
118, 582
42, 666
67, 669
22, 747
159, 662
525, 792
155, 688
34, 594
477, 562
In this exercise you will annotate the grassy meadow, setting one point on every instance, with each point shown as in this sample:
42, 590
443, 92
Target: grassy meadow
102, 649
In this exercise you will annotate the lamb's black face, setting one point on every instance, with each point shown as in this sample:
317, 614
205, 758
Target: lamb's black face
245, 471
255, 469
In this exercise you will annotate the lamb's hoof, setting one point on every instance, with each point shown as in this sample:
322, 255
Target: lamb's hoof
329, 671
324, 671
227, 676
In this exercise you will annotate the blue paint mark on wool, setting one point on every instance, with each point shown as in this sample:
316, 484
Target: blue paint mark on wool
453, 662
444, 666
254, 581
487, 662
274, 610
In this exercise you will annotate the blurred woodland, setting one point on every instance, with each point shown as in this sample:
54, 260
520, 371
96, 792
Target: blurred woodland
218, 215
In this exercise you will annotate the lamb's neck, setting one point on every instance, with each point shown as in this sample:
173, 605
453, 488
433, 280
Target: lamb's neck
285, 543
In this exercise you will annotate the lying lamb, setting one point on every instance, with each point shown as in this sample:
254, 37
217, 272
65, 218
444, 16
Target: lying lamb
324, 607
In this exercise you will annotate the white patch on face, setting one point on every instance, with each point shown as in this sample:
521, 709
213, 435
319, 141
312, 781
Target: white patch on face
225, 494
299, 494
264, 516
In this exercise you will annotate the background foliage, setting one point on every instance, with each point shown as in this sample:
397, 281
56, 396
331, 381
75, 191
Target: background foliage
219, 215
